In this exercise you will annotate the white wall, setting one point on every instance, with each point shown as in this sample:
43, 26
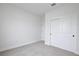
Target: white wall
70, 10
17, 27
43, 28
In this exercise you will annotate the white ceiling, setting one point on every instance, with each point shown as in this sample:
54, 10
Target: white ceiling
37, 8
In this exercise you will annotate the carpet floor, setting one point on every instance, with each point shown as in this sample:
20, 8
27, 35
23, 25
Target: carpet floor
37, 49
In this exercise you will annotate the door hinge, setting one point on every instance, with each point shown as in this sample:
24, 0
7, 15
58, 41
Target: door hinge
50, 33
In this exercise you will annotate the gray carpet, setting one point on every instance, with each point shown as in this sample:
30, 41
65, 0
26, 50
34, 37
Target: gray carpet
36, 49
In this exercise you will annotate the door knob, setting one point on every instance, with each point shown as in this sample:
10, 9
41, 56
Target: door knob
73, 35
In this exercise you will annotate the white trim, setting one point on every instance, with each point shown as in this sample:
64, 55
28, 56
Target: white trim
19, 45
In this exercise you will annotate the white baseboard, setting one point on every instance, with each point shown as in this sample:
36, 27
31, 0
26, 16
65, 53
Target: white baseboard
76, 52
19, 45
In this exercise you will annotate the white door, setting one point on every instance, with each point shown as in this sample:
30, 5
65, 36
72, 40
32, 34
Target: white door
61, 33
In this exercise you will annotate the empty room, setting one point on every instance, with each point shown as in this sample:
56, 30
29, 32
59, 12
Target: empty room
39, 29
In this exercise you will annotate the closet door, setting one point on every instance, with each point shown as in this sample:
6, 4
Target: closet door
61, 34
